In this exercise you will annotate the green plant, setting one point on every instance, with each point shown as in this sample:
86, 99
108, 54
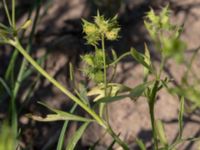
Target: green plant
11, 81
7, 137
166, 37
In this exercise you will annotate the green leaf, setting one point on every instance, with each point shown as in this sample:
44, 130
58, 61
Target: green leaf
76, 137
114, 54
26, 24
71, 71
110, 99
62, 134
189, 92
139, 89
139, 57
140, 144
4, 84
113, 89
60, 115
147, 59
82, 93
133, 93
161, 133
110, 147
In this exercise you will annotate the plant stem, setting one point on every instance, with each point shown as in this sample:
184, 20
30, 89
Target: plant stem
104, 63
13, 14
152, 99
22, 67
100, 121
117, 139
18, 46
102, 106
7, 12
119, 58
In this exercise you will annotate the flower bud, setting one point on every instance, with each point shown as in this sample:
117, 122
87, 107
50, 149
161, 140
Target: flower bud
113, 34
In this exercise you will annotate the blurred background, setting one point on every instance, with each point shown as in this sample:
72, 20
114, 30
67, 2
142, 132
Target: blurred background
58, 40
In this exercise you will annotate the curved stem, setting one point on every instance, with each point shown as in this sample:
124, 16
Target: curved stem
152, 99
117, 139
100, 121
18, 46
119, 58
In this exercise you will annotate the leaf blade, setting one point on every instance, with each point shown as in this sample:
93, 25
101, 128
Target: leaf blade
75, 138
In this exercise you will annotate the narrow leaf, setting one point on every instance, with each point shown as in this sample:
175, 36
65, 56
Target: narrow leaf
109, 99
4, 84
60, 115
76, 137
161, 133
26, 24
110, 147
114, 54
147, 60
71, 71
62, 134
140, 144
139, 89
139, 57
82, 93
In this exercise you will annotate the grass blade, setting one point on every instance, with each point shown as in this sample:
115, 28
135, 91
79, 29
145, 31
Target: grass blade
140, 144
109, 99
60, 115
161, 133
62, 134
75, 138
4, 84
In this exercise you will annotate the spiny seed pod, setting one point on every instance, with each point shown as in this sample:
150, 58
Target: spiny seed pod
112, 35
89, 28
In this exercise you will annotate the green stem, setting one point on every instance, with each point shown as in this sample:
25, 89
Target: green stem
22, 68
117, 139
18, 46
104, 63
13, 14
102, 106
119, 58
7, 12
152, 99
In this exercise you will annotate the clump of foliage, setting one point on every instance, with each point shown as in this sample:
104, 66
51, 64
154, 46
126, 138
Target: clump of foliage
166, 37
7, 137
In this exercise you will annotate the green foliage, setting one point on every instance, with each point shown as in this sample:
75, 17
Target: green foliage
166, 37
164, 34
140, 144
161, 134
62, 134
93, 68
100, 28
7, 137
60, 115
75, 138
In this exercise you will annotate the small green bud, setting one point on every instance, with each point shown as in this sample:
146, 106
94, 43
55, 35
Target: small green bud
90, 29
112, 35
26, 24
